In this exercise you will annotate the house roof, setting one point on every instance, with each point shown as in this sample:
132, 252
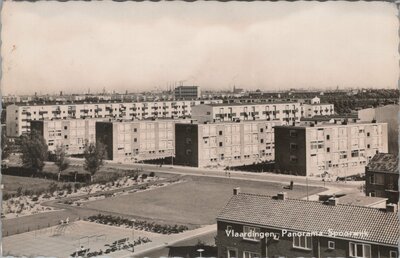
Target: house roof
384, 162
309, 216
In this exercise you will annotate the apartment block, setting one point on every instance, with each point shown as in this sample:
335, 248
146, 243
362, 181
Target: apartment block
255, 225
382, 177
132, 141
339, 149
18, 117
286, 112
224, 143
72, 133
187, 92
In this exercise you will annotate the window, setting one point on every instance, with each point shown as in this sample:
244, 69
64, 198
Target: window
393, 254
188, 151
328, 149
377, 179
293, 146
220, 144
65, 136
331, 245
251, 233
261, 130
188, 141
232, 253
261, 140
134, 130
293, 158
293, 133
368, 134
134, 139
220, 132
342, 155
359, 250
302, 242
328, 137
65, 127
247, 254
354, 153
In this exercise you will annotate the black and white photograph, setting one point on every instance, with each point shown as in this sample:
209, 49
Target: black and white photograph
237, 129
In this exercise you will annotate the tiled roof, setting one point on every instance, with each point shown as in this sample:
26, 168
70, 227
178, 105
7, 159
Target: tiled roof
309, 216
384, 162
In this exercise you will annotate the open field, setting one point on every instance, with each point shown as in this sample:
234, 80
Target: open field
194, 202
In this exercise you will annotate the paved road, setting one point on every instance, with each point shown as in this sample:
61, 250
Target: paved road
28, 223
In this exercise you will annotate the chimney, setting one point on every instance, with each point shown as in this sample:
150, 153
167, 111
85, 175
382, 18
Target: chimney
236, 191
333, 201
391, 207
281, 196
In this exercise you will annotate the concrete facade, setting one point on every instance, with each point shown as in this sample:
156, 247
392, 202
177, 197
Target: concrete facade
224, 143
71, 133
287, 112
187, 92
132, 141
18, 117
388, 114
340, 149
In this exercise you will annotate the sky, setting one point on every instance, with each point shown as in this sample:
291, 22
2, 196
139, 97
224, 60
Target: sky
50, 46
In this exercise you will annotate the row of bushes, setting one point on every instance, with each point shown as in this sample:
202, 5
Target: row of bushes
46, 191
25, 172
138, 224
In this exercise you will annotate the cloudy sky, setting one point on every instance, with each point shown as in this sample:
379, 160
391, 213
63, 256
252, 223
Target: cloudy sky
50, 46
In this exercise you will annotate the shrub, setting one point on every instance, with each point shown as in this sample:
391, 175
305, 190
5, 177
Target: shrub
19, 191
53, 187
152, 174
144, 176
35, 198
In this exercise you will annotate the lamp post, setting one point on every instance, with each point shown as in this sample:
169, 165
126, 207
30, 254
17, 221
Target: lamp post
200, 251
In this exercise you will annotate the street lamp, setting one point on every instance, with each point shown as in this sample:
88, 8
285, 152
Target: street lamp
200, 251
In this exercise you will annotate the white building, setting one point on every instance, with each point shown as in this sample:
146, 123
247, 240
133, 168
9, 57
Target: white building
18, 117
225, 143
287, 112
132, 141
71, 133
340, 149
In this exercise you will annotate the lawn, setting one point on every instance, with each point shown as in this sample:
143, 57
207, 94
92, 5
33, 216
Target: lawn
12, 183
194, 202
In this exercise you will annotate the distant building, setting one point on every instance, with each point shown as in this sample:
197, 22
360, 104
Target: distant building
387, 114
132, 141
254, 225
340, 149
284, 111
187, 92
382, 177
224, 143
18, 117
71, 133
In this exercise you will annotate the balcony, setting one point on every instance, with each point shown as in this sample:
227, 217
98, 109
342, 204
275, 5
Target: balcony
98, 110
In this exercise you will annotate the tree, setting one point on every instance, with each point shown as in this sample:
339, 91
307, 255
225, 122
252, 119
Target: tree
5, 145
61, 161
94, 157
34, 151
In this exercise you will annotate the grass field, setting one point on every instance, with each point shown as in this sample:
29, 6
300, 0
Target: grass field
12, 183
194, 202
